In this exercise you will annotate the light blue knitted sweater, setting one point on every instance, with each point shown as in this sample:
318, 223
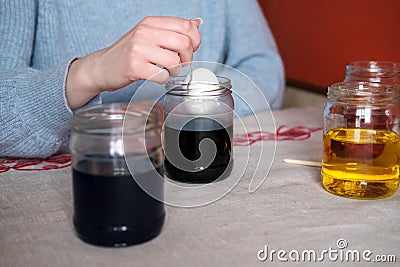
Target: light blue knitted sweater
39, 38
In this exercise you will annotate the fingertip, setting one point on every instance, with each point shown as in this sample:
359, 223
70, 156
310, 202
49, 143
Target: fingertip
155, 73
164, 76
161, 77
197, 22
197, 45
175, 70
186, 58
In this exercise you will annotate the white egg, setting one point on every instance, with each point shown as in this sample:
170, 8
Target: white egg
201, 75
199, 84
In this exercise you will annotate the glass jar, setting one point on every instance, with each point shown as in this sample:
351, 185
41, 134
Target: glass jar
198, 130
110, 208
373, 71
361, 140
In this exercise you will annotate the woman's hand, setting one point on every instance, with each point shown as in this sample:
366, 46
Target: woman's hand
146, 50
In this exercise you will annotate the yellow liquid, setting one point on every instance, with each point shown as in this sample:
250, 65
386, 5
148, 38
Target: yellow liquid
361, 163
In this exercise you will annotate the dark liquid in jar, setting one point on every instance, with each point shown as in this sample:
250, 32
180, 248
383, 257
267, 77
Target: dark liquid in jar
112, 210
189, 140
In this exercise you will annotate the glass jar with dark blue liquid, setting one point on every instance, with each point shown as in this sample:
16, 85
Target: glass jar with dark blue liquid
198, 129
117, 168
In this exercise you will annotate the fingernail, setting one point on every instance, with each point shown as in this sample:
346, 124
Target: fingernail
198, 20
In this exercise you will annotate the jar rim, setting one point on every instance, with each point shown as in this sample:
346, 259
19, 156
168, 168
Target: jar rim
177, 86
359, 86
369, 92
111, 118
374, 66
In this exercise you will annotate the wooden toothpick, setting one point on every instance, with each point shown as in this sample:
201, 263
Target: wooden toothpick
303, 162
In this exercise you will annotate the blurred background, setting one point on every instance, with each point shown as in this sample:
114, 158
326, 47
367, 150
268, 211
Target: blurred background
316, 38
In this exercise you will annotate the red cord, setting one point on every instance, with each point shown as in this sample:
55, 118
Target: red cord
283, 133
56, 162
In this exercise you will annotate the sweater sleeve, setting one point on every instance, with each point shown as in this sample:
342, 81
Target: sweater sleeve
35, 118
252, 50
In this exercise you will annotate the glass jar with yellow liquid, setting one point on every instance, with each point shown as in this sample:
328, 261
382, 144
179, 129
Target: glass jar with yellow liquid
361, 153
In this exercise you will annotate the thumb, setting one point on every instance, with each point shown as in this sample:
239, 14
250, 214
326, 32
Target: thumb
197, 22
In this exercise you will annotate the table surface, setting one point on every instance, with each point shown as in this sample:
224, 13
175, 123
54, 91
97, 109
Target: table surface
290, 212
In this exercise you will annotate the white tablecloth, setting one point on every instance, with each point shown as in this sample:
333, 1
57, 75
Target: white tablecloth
290, 211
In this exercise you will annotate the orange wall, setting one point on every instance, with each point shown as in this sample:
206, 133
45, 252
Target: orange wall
316, 38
